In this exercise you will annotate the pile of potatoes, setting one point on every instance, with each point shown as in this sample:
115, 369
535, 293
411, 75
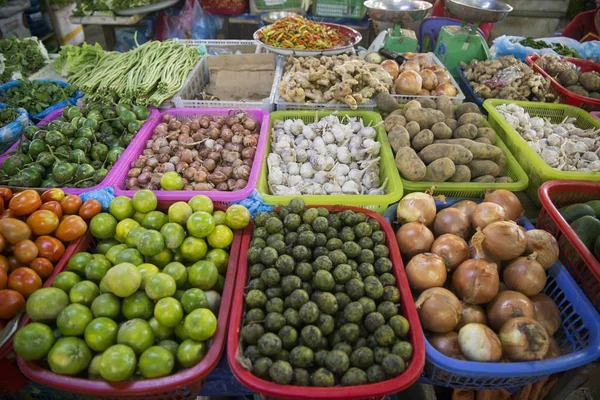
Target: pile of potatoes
433, 142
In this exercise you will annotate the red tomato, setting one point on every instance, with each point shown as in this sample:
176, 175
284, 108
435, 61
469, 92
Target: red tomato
54, 194
25, 281
11, 303
4, 265
25, 251
25, 202
89, 209
5, 194
42, 267
14, 230
3, 279
71, 228
7, 214
50, 248
42, 222
53, 206
14, 263
70, 204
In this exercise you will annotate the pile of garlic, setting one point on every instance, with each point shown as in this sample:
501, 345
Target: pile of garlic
330, 156
563, 146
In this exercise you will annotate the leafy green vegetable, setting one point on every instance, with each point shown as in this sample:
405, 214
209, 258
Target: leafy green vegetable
74, 58
21, 58
7, 116
36, 96
557, 47
86, 6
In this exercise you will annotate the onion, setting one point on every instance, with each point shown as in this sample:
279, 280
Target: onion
479, 343
508, 200
501, 287
476, 281
424, 92
503, 240
506, 305
391, 67
414, 238
444, 89
471, 313
466, 206
524, 339
429, 79
439, 310
476, 251
525, 275
486, 213
373, 57
453, 250
553, 349
544, 245
546, 313
411, 65
425, 271
452, 220
447, 344
416, 207
408, 82
442, 76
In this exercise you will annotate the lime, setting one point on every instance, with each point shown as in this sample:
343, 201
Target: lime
33, 341
173, 234
180, 332
160, 331
133, 236
190, 353
78, 262
156, 361
221, 237
193, 299
151, 243
105, 244
132, 256
144, 201
98, 256
168, 312
123, 280
84, 292
137, 334
219, 217
160, 285
201, 203
179, 293
101, 333
96, 269
220, 258
171, 181
237, 216
179, 212
138, 305
66, 280
200, 224
201, 324
170, 345
45, 304
177, 271
161, 259
155, 220
121, 207
94, 368
124, 227
139, 217
193, 249
73, 319
103, 226
203, 275
106, 305
114, 251
147, 270
69, 356
117, 363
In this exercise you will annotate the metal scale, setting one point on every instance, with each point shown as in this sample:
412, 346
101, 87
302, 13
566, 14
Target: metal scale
461, 43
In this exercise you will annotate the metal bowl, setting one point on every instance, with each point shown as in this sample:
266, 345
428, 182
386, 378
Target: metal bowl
479, 10
273, 16
398, 11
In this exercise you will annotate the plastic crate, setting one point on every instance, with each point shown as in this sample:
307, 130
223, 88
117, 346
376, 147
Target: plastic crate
222, 198
578, 338
534, 166
579, 260
240, 8
456, 100
350, 9
476, 189
120, 165
566, 96
377, 203
394, 385
199, 78
185, 384
467, 89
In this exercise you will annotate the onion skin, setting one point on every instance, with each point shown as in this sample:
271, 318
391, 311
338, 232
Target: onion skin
426, 270
447, 344
487, 213
414, 238
466, 206
444, 89
479, 343
546, 313
503, 240
439, 310
508, 200
524, 339
391, 67
452, 220
476, 251
525, 275
453, 250
476, 281
471, 313
429, 78
553, 349
544, 245
506, 305
409, 82
416, 207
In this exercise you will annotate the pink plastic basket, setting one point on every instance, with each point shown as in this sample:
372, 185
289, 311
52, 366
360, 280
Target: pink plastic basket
218, 197
109, 180
596, 114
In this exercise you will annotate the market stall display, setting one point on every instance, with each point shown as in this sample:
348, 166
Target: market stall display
40, 97
20, 58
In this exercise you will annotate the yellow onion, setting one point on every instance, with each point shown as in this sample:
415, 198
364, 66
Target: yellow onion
476, 251
453, 250
424, 92
479, 343
452, 220
471, 313
502, 240
476, 281
439, 310
525, 275
442, 76
416, 207
485, 213
410, 65
444, 89
524, 339
414, 238
506, 305
391, 67
426, 270
447, 344
546, 313
429, 79
544, 245
553, 349
408, 82
466, 206
508, 200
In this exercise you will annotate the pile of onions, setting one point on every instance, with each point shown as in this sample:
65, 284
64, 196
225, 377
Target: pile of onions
453, 250
502, 240
508, 200
426, 270
416, 207
447, 344
452, 220
524, 339
414, 238
439, 310
479, 343
486, 213
476, 281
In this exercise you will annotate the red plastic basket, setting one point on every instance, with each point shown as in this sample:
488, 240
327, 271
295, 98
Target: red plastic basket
412, 373
217, 7
182, 385
566, 96
578, 259
11, 380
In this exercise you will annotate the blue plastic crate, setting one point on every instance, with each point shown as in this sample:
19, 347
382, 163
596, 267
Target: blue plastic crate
467, 90
578, 337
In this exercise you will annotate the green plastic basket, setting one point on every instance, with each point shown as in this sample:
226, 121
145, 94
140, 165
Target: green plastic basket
271, 5
387, 166
533, 165
351, 9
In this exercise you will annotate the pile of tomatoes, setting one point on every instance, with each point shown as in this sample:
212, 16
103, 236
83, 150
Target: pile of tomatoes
34, 231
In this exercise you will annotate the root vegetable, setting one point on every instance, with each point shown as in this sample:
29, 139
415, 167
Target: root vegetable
508, 200
439, 310
479, 343
544, 245
502, 240
425, 271
452, 220
524, 339
506, 305
447, 344
476, 281
546, 313
471, 313
485, 213
416, 207
452, 249
466, 206
525, 275
414, 238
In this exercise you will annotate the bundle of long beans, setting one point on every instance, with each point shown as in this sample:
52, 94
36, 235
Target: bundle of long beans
146, 75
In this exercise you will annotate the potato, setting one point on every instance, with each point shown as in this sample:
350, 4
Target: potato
500, 159
392, 121
483, 140
444, 104
427, 103
479, 150
440, 170
504, 179
471, 118
441, 131
398, 137
486, 132
462, 174
485, 178
412, 104
468, 131
425, 117
466, 108
386, 102
590, 81
399, 111
457, 153
422, 140
410, 165
413, 128
483, 167
452, 123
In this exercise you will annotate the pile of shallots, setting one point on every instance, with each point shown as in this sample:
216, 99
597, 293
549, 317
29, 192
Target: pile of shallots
479, 277
210, 152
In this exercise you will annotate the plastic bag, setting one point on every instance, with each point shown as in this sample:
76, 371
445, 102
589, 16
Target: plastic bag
255, 204
504, 77
104, 196
192, 23
507, 45
11, 132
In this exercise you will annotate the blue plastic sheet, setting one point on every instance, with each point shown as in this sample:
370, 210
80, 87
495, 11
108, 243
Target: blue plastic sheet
11, 132
506, 46
255, 204
104, 196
